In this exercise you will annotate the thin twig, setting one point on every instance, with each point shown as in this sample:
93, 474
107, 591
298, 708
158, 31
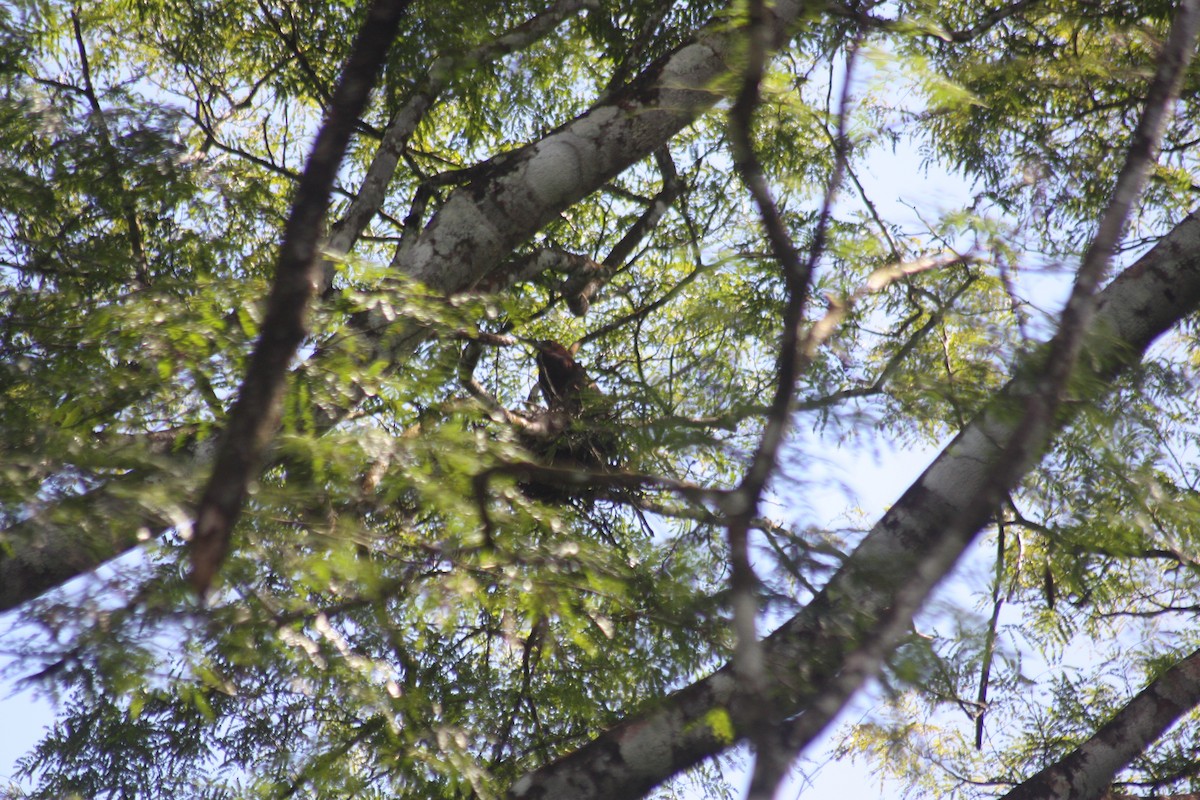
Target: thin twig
133, 224
771, 759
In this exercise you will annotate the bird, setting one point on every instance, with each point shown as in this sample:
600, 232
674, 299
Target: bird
577, 426
561, 378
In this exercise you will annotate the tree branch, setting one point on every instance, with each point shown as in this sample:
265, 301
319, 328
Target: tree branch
133, 223
379, 175
1020, 434
757, 709
581, 288
255, 414
1088, 771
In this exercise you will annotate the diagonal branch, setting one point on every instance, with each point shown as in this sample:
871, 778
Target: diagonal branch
255, 414
382, 169
1088, 770
582, 287
515, 194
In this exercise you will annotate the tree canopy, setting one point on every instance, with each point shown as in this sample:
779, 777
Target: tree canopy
414, 399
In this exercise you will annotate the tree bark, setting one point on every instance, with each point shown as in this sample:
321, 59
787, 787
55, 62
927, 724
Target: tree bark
254, 417
1089, 769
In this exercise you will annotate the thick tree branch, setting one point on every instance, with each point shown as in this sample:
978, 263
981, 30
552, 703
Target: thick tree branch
1088, 771
379, 175
515, 194
255, 414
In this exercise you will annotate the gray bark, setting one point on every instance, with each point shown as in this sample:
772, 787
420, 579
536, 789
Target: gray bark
1088, 770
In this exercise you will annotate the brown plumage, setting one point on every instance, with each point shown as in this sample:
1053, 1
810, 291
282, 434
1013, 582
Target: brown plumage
576, 430
560, 378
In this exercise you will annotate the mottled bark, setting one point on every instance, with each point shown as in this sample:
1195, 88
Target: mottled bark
514, 195
1088, 770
